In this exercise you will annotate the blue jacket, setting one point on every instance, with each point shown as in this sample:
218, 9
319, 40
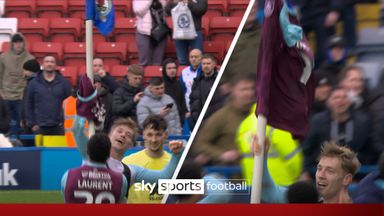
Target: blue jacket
44, 101
369, 189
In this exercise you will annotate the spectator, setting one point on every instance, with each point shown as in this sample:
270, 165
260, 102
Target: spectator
128, 95
74, 180
190, 73
352, 81
106, 79
335, 61
150, 53
104, 110
173, 88
4, 117
336, 167
321, 17
198, 9
152, 157
12, 83
371, 189
202, 86
31, 68
156, 102
45, 95
322, 90
216, 140
341, 125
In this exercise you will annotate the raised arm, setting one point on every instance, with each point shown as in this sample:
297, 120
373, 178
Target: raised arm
78, 130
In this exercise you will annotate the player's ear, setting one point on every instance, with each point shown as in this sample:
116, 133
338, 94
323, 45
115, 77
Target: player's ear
347, 179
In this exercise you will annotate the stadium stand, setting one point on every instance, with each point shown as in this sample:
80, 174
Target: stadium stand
34, 29
74, 54
64, 29
20, 8
51, 8
42, 49
70, 73
119, 71
112, 53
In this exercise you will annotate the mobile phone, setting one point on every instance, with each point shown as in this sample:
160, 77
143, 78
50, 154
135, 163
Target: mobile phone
170, 105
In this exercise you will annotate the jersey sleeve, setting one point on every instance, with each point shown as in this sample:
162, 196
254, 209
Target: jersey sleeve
271, 193
64, 183
215, 196
139, 174
124, 189
80, 137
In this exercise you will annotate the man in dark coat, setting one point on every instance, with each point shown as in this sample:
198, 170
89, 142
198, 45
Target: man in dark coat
128, 95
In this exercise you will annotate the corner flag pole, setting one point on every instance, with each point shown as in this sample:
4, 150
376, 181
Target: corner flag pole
89, 59
257, 175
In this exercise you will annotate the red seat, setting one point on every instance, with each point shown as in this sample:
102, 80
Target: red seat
216, 8
97, 36
34, 29
237, 7
20, 8
76, 9
125, 30
123, 8
42, 49
74, 54
215, 48
65, 29
170, 50
70, 73
133, 53
227, 46
5, 46
151, 71
51, 8
112, 53
119, 71
205, 26
224, 28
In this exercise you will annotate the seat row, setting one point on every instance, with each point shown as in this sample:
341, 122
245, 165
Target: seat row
73, 53
73, 29
123, 8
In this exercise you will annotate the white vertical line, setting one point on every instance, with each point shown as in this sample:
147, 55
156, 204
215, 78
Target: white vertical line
213, 89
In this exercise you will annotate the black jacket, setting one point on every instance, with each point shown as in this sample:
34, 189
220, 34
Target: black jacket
320, 131
197, 8
174, 89
122, 103
200, 91
311, 9
44, 101
110, 82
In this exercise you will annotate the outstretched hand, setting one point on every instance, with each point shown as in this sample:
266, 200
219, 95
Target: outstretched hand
176, 146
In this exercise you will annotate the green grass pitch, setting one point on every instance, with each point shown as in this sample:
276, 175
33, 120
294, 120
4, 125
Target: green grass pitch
30, 196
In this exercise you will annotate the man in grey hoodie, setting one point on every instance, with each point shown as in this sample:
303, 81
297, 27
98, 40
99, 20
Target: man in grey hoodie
155, 101
12, 82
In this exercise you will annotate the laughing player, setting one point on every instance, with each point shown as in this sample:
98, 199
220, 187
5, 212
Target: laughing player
122, 137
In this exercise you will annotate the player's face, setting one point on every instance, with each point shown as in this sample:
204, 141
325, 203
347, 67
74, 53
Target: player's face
171, 69
330, 177
154, 139
121, 138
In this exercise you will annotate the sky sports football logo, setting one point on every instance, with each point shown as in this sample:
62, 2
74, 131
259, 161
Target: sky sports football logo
194, 186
